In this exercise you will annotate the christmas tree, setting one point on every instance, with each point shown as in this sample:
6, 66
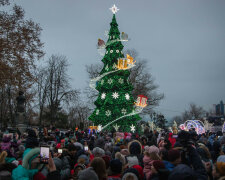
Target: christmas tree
115, 92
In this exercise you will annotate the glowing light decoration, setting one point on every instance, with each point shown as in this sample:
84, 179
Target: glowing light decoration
132, 128
114, 9
99, 128
196, 124
141, 101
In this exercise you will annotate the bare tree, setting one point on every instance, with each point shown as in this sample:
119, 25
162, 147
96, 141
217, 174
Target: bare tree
140, 77
53, 87
194, 112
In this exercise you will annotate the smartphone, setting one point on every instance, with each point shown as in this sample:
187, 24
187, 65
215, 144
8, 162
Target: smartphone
44, 154
86, 148
60, 151
175, 136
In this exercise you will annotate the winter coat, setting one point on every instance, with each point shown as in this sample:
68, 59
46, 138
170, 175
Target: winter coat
168, 165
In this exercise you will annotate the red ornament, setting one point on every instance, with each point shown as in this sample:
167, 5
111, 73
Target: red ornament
141, 101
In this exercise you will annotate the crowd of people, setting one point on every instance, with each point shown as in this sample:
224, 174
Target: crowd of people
85, 155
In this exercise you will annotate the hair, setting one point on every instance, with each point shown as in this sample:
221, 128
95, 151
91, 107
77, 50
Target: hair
152, 155
99, 167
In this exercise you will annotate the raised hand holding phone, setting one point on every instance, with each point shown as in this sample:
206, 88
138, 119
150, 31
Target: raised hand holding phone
44, 155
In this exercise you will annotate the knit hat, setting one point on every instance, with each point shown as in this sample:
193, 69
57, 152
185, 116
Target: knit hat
87, 174
82, 166
116, 166
173, 154
135, 147
221, 168
98, 152
140, 171
151, 149
86, 159
131, 172
158, 165
221, 158
79, 145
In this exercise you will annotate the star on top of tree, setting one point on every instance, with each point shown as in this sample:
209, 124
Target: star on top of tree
114, 9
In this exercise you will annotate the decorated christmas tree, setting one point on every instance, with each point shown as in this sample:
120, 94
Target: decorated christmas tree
115, 105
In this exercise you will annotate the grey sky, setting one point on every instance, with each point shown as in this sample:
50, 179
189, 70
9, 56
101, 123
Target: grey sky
183, 40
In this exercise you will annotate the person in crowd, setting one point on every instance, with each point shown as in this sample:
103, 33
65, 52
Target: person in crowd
115, 169
158, 171
174, 158
81, 155
151, 154
98, 165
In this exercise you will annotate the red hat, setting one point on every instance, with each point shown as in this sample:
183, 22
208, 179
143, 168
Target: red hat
140, 170
158, 165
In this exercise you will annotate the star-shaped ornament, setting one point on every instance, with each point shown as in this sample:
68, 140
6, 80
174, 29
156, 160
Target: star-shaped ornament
103, 95
120, 80
110, 81
124, 111
114, 9
116, 127
115, 95
108, 113
132, 128
127, 96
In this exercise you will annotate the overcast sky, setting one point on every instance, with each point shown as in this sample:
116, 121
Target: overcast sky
183, 41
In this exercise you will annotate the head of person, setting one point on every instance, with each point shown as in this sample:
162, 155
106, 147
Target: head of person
98, 165
157, 166
98, 152
219, 167
78, 168
115, 166
135, 147
130, 174
174, 156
